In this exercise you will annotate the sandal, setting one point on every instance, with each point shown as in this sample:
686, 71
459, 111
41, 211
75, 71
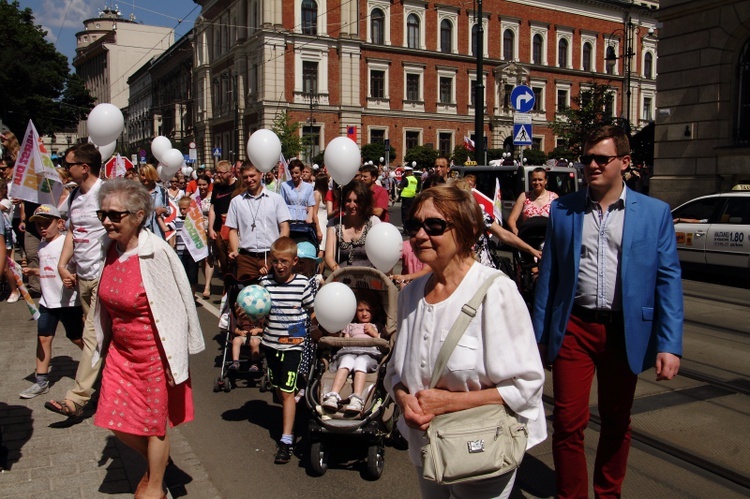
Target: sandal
61, 407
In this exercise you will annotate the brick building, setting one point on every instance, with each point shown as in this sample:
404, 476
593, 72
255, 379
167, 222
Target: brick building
405, 71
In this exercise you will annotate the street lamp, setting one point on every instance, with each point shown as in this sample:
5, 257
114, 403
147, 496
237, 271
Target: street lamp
627, 54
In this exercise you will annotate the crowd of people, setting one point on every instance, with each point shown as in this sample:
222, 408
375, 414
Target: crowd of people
118, 275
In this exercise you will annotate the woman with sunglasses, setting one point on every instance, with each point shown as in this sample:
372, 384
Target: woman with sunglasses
534, 203
345, 241
496, 360
145, 310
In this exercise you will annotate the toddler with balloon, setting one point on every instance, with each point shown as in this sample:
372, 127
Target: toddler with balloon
359, 360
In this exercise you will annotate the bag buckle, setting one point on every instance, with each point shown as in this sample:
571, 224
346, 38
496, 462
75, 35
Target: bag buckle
469, 310
475, 446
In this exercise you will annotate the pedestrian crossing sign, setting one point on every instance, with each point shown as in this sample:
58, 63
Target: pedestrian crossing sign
521, 134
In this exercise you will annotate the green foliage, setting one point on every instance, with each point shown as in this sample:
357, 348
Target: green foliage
373, 152
319, 159
288, 133
35, 80
587, 112
493, 154
460, 155
642, 144
423, 155
534, 156
562, 153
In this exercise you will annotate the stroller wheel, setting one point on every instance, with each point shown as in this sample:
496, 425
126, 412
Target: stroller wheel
375, 461
318, 458
217, 385
227, 384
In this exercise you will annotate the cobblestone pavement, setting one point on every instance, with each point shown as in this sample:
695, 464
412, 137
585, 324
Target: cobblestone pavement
43, 454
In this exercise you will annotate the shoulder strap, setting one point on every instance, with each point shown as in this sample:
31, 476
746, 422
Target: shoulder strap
468, 311
72, 196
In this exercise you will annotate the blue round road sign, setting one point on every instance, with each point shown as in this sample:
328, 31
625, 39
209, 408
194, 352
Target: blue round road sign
522, 99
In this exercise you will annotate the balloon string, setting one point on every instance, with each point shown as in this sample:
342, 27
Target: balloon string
341, 223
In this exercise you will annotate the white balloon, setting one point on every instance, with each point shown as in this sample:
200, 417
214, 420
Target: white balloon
161, 172
264, 149
383, 246
186, 170
105, 124
159, 146
335, 306
106, 151
342, 158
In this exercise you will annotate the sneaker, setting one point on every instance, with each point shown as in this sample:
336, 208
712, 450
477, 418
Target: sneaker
234, 366
283, 453
14, 296
354, 407
34, 390
331, 402
253, 369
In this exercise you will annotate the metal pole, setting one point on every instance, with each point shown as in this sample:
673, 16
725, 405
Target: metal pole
479, 93
628, 62
235, 138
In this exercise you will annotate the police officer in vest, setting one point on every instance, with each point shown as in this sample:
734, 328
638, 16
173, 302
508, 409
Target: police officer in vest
408, 187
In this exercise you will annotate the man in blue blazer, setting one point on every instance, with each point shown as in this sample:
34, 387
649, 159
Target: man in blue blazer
608, 300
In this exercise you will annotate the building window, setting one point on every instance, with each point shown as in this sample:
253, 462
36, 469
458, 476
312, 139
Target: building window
538, 104
412, 140
446, 36
507, 90
536, 143
309, 17
474, 39
377, 26
377, 84
311, 138
562, 53
562, 99
472, 93
647, 113
537, 49
609, 105
446, 90
412, 31
508, 45
445, 141
412, 87
309, 77
587, 52
585, 98
377, 136
648, 65
610, 60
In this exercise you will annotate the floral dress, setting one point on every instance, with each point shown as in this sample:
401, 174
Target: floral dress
135, 396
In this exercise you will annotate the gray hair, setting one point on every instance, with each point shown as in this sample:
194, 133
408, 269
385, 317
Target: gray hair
132, 194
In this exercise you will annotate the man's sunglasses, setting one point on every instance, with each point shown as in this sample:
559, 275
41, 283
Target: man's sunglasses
68, 166
599, 159
114, 216
431, 226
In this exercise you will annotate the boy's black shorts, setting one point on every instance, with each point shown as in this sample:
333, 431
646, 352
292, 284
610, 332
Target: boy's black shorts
283, 368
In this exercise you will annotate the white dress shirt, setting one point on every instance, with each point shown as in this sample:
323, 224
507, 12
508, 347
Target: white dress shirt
257, 219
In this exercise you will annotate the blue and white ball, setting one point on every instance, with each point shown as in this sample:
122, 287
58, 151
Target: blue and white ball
255, 301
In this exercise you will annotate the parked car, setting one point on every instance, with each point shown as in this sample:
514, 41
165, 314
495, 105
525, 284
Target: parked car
517, 179
715, 229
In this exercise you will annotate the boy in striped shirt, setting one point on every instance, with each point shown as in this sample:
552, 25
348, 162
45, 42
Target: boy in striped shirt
284, 335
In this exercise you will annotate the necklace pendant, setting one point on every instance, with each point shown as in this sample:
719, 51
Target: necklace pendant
253, 226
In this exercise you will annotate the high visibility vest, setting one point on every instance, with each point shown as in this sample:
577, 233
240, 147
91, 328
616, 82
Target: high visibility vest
410, 190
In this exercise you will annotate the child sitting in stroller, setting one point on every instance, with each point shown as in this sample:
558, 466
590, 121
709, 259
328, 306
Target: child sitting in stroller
245, 332
360, 360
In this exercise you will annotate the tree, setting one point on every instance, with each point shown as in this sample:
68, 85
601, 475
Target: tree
35, 81
534, 156
592, 107
373, 152
561, 152
424, 156
288, 133
460, 155
642, 144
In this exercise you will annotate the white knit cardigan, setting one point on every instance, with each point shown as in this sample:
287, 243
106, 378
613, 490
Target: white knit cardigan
172, 304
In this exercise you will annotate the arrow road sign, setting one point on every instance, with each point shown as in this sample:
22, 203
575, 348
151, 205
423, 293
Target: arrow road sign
522, 99
521, 134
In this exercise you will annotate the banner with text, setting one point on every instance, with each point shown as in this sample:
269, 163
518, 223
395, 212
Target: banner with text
193, 232
34, 176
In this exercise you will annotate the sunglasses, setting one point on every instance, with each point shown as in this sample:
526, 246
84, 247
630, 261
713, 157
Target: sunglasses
68, 166
114, 216
431, 226
599, 159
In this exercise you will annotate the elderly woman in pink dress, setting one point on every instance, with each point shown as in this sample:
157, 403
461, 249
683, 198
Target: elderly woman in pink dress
147, 315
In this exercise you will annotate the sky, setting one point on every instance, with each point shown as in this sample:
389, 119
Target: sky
62, 19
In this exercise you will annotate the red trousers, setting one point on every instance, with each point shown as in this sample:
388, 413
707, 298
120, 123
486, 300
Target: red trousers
587, 348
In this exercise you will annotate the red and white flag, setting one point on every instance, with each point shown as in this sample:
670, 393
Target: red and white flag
497, 203
283, 175
469, 144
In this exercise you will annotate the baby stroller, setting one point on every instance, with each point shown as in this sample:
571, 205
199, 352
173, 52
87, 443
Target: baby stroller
227, 379
300, 230
532, 231
376, 422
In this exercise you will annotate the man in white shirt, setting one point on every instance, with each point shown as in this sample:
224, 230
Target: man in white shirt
83, 242
256, 219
